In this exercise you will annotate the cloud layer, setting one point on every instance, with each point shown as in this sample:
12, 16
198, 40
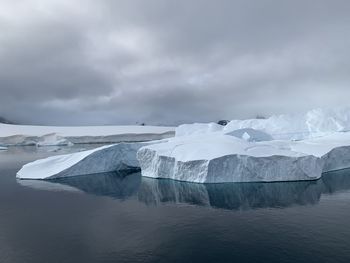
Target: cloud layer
167, 62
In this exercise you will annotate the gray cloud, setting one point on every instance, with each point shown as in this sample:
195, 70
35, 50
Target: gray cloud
121, 62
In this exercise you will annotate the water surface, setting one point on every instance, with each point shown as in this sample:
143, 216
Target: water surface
122, 217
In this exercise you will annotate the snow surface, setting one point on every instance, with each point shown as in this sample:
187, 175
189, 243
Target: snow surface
197, 128
52, 135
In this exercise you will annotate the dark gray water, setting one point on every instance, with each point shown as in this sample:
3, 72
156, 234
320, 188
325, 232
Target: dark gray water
120, 217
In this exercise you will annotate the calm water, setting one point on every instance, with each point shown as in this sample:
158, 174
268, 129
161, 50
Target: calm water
125, 218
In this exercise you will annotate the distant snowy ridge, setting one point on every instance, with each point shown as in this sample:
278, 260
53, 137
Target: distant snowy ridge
52, 135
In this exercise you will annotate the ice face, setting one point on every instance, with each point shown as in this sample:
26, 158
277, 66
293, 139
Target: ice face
222, 158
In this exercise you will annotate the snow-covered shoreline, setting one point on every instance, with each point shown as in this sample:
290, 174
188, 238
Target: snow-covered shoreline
53, 135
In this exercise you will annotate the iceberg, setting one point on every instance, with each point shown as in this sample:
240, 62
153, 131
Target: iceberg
281, 148
121, 156
223, 158
2, 148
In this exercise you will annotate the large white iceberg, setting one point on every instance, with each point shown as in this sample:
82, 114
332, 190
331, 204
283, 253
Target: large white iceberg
223, 158
281, 148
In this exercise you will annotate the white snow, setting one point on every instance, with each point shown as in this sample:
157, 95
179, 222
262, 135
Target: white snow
53, 135
197, 128
315, 123
2, 148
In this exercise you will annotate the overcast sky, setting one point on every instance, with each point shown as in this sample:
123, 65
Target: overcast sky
163, 62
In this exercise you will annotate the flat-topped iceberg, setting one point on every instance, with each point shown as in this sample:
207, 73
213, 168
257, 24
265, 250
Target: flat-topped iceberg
223, 158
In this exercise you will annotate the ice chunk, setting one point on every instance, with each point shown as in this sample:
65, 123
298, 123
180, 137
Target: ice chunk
2, 148
222, 158
103, 159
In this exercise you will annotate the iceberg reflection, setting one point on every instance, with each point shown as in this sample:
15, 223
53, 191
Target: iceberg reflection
232, 196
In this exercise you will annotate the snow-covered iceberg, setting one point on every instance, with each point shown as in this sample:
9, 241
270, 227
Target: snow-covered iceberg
109, 158
222, 158
52, 135
281, 148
